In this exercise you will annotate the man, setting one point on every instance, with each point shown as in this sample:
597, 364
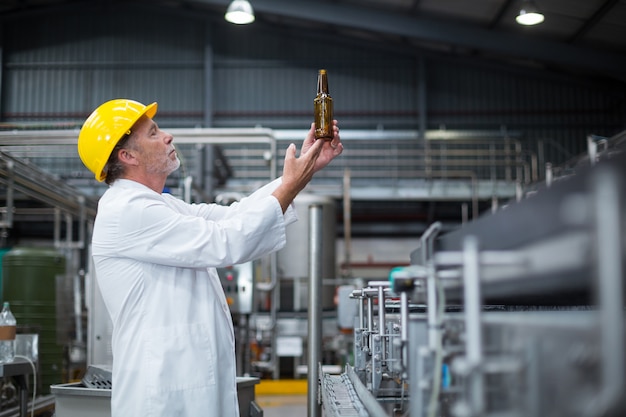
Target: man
155, 258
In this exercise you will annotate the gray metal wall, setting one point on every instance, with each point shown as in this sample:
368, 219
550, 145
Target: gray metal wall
57, 67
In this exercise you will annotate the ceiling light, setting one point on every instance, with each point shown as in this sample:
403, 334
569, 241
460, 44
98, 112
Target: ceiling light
240, 12
529, 14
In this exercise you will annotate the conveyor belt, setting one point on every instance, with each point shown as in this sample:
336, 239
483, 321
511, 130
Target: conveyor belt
339, 397
345, 395
554, 231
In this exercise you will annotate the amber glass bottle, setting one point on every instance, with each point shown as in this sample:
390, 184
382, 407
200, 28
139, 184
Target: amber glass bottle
323, 104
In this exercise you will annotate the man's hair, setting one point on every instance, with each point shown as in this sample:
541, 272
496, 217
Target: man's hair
114, 168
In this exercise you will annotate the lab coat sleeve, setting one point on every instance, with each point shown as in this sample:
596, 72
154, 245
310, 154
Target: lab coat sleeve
152, 230
217, 212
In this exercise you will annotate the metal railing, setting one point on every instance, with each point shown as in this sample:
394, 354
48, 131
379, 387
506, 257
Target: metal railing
378, 160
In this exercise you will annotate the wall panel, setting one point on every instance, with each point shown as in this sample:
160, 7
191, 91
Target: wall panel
265, 75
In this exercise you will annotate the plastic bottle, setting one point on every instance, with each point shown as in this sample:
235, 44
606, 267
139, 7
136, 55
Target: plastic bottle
323, 106
7, 334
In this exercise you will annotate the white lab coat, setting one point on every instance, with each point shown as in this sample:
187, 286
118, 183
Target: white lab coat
155, 258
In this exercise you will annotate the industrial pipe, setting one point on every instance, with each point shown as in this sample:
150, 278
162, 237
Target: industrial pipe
609, 287
315, 308
473, 329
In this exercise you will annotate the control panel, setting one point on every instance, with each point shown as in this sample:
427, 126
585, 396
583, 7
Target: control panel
238, 284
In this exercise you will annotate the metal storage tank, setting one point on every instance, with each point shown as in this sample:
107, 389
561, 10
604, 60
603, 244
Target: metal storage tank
2, 252
30, 284
293, 259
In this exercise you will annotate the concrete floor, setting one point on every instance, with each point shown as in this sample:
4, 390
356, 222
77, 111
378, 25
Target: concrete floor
282, 405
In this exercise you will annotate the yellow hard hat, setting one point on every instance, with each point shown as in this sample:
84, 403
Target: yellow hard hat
109, 123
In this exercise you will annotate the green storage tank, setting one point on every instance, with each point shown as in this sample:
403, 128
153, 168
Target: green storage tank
29, 283
2, 252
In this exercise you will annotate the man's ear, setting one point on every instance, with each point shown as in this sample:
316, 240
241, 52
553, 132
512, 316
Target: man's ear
127, 156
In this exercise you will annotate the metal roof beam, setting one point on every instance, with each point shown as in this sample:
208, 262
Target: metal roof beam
589, 24
443, 31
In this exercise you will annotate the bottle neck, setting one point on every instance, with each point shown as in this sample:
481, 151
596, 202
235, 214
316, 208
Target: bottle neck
322, 84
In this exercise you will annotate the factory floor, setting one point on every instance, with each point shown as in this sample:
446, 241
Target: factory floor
282, 398
283, 405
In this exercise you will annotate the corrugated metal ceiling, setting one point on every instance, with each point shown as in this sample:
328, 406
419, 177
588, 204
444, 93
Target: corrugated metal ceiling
586, 36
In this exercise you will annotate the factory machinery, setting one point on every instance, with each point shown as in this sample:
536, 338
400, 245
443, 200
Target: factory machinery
518, 313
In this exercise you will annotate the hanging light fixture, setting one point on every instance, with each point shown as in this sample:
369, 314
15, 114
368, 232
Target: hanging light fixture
529, 14
240, 12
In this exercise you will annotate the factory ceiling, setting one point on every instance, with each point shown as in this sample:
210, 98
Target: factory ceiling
583, 37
